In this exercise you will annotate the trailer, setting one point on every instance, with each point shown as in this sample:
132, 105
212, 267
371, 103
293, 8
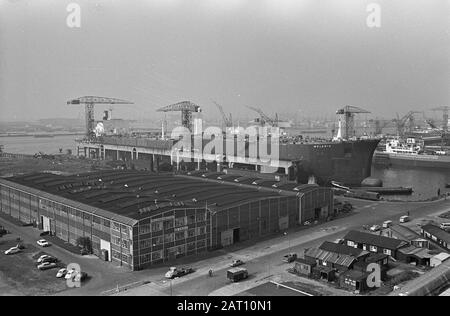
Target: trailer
237, 274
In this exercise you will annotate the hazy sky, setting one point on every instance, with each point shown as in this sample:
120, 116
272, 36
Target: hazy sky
308, 57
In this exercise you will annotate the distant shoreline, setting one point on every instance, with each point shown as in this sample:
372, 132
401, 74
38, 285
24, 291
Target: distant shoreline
42, 135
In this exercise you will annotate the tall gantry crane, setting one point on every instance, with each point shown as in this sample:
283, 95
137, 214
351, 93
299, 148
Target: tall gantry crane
89, 102
264, 119
186, 108
445, 111
227, 120
405, 121
349, 113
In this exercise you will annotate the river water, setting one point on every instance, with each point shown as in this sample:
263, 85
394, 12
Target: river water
425, 182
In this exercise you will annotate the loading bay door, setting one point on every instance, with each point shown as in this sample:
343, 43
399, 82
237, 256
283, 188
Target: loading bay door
230, 236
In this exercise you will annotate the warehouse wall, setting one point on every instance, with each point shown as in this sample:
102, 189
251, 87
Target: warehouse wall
68, 223
255, 219
170, 235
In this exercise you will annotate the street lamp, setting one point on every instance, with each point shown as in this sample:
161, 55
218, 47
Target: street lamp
289, 240
211, 214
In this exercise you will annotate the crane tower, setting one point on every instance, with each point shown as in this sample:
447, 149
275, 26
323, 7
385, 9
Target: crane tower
186, 108
89, 102
349, 119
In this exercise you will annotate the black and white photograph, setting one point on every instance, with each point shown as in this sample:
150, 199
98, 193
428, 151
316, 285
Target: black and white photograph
225, 154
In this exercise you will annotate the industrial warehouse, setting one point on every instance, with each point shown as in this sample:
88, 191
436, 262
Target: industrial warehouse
138, 219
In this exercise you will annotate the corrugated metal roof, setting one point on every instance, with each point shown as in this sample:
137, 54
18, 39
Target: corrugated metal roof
375, 240
71, 203
437, 232
331, 257
121, 194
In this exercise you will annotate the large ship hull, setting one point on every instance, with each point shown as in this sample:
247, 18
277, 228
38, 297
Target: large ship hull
348, 162
406, 160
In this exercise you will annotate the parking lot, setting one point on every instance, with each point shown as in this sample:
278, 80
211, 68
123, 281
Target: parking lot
19, 274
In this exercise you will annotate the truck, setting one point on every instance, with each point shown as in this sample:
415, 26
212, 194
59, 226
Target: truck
290, 257
175, 272
237, 274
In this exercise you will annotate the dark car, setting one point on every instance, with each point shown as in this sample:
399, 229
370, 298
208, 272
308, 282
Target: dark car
50, 260
46, 233
80, 277
236, 263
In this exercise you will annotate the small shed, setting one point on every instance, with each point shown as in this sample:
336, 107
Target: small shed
304, 266
354, 280
438, 259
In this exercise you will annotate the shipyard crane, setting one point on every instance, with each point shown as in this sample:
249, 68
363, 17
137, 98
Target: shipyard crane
349, 113
430, 122
445, 111
89, 102
228, 121
401, 123
186, 108
264, 119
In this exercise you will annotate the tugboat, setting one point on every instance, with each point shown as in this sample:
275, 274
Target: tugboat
411, 152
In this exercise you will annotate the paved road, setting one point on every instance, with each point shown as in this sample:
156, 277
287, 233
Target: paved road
263, 259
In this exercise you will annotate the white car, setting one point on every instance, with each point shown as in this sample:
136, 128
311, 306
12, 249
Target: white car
46, 266
70, 274
404, 219
61, 273
42, 258
375, 228
43, 243
12, 251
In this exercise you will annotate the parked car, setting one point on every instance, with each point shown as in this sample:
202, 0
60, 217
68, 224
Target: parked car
404, 219
12, 250
46, 266
175, 272
375, 228
80, 276
50, 259
445, 226
339, 241
236, 263
290, 257
39, 260
46, 233
61, 273
70, 274
43, 243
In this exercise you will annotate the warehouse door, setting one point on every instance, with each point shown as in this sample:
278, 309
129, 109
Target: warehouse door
45, 223
283, 222
226, 238
106, 246
236, 235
